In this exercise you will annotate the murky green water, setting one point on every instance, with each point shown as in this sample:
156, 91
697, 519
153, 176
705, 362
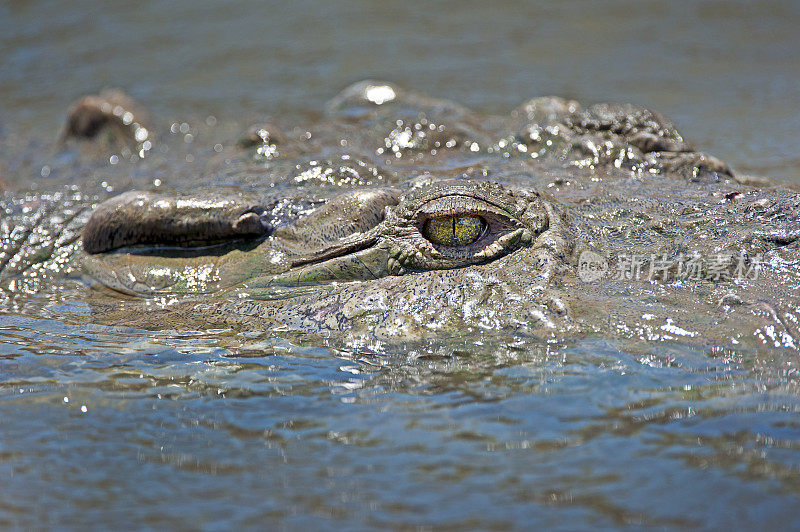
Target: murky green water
107, 426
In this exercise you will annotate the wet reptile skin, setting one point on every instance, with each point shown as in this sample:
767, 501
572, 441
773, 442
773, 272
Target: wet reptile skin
327, 229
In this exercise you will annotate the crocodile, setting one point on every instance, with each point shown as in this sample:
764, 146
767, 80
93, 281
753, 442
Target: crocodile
401, 216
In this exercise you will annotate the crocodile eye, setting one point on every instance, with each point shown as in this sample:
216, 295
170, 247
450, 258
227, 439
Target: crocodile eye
454, 231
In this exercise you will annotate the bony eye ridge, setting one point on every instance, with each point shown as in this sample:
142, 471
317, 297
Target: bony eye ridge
454, 231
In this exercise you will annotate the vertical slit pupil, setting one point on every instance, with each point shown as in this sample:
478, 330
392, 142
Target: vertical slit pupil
454, 230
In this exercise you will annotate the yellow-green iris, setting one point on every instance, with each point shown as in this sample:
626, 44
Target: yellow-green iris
454, 231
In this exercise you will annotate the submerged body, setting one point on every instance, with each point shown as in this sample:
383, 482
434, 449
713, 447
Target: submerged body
402, 217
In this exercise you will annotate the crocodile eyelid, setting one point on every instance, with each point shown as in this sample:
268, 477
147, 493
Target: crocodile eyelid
460, 205
455, 196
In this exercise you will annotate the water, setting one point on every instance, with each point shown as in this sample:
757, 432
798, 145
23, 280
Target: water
108, 426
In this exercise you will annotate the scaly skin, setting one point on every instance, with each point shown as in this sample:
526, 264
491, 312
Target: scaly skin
540, 188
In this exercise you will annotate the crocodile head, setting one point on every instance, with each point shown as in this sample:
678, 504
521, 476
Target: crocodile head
402, 216
440, 254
